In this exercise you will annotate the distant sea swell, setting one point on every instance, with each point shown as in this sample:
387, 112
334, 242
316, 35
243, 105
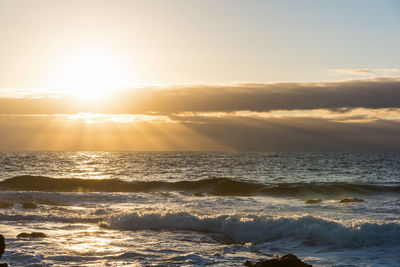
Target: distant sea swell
211, 186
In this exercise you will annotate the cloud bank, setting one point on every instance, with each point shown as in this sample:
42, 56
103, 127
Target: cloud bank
372, 93
384, 72
360, 115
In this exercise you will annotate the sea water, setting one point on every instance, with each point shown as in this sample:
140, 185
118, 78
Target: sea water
200, 208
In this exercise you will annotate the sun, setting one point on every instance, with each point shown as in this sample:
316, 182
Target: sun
89, 76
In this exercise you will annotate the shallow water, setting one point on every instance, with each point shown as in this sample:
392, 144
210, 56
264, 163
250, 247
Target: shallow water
187, 208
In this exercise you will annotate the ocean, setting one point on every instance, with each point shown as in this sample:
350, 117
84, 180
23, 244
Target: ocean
200, 208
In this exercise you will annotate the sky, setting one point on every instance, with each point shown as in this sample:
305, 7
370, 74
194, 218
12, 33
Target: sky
200, 75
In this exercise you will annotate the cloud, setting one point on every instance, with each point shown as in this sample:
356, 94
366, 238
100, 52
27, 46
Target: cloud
384, 72
352, 71
358, 115
371, 93
341, 115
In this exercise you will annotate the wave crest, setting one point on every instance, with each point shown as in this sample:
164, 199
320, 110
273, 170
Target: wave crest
212, 186
305, 229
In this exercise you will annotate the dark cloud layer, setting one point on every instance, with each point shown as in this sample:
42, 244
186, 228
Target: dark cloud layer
377, 93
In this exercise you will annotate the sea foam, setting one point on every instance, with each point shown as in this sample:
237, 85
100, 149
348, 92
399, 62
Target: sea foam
241, 229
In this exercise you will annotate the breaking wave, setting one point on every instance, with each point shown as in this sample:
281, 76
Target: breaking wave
212, 186
307, 229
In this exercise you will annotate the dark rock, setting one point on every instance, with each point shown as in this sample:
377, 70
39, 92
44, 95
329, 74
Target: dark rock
2, 245
32, 235
38, 235
5, 205
2, 248
288, 260
29, 205
24, 235
313, 201
351, 199
248, 263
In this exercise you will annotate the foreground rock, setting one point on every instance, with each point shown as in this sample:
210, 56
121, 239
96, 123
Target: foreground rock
2, 245
313, 201
5, 205
288, 260
29, 205
32, 235
351, 199
2, 248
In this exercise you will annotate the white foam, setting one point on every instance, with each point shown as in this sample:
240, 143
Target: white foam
262, 229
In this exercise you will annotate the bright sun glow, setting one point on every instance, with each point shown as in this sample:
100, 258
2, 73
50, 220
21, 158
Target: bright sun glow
89, 76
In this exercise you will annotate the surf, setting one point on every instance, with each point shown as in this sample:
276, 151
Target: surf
241, 229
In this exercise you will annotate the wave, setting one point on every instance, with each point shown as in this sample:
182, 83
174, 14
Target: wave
212, 186
307, 229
